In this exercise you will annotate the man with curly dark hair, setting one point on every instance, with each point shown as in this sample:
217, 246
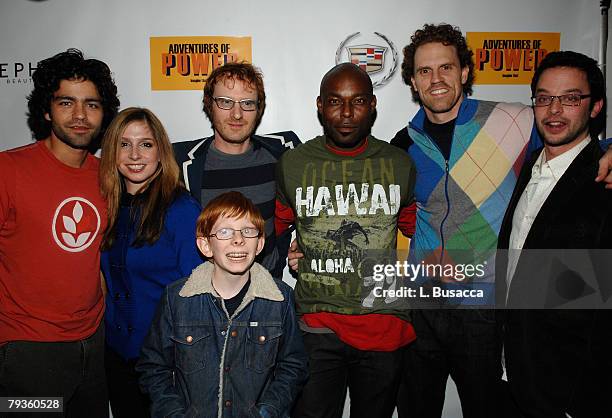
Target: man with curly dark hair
467, 154
70, 65
52, 217
448, 36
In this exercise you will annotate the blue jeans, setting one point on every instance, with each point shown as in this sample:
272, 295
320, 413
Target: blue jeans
372, 378
73, 370
462, 343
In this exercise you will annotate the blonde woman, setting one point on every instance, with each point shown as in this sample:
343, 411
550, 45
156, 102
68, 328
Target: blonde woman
150, 242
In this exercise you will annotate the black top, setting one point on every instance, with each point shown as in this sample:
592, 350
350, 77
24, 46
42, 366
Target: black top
442, 134
233, 303
402, 139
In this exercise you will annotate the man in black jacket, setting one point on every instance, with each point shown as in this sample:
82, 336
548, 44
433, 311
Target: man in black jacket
558, 219
234, 158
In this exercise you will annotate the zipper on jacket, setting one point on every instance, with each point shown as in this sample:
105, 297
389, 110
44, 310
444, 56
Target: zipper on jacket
446, 174
222, 368
447, 210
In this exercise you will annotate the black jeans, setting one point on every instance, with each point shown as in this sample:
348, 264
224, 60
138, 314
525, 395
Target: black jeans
371, 377
126, 399
560, 361
462, 343
73, 370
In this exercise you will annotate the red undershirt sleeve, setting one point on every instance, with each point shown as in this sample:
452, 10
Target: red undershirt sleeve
283, 217
406, 220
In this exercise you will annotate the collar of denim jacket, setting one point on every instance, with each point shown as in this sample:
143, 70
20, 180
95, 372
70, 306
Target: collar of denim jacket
262, 284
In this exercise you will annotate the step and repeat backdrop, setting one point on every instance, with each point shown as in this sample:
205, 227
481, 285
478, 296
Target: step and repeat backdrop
161, 52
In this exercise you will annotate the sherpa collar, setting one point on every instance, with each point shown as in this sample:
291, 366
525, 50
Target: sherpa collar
262, 284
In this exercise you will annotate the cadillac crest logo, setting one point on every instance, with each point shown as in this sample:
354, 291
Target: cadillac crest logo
380, 62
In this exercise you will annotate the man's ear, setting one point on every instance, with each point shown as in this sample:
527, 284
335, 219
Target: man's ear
204, 246
47, 116
414, 86
319, 104
465, 72
597, 106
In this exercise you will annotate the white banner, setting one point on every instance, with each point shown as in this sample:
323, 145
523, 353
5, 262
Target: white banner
294, 43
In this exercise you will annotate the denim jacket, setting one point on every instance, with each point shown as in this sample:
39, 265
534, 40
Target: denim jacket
198, 362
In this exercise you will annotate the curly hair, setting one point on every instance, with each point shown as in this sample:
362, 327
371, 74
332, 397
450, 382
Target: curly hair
69, 65
447, 35
242, 71
594, 76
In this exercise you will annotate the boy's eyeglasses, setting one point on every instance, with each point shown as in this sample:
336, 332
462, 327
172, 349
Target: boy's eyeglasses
228, 233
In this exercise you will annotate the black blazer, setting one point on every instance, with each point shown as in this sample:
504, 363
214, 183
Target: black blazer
576, 215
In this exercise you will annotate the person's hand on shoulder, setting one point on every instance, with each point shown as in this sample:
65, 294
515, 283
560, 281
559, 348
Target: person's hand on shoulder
605, 168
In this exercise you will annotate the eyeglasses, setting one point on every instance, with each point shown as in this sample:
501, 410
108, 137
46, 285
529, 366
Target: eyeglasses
225, 103
228, 233
572, 99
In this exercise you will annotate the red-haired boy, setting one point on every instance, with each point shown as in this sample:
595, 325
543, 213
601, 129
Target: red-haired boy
226, 337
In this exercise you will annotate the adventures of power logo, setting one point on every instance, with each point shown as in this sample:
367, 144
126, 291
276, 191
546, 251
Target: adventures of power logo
509, 57
16, 72
75, 224
184, 63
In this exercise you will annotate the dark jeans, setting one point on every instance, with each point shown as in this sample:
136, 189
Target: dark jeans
126, 399
73, 370
371, 377
560, 361
465, 344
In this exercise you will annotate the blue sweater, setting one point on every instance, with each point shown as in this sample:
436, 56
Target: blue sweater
136, 277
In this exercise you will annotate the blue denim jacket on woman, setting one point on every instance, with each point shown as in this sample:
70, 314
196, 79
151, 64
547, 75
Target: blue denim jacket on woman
198, 362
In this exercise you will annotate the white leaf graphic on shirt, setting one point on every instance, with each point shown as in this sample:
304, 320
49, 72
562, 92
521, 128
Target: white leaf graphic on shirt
69, 239
75, 224
82, 239
69, 224
77, 212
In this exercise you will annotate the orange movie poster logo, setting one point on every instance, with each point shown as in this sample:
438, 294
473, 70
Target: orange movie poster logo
509, 57
184, 63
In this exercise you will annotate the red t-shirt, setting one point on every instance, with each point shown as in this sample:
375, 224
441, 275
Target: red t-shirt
52, 218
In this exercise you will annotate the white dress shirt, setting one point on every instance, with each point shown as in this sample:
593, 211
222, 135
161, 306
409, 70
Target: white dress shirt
544, 177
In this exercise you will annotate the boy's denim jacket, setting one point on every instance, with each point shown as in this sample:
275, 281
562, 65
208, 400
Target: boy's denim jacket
198, 362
